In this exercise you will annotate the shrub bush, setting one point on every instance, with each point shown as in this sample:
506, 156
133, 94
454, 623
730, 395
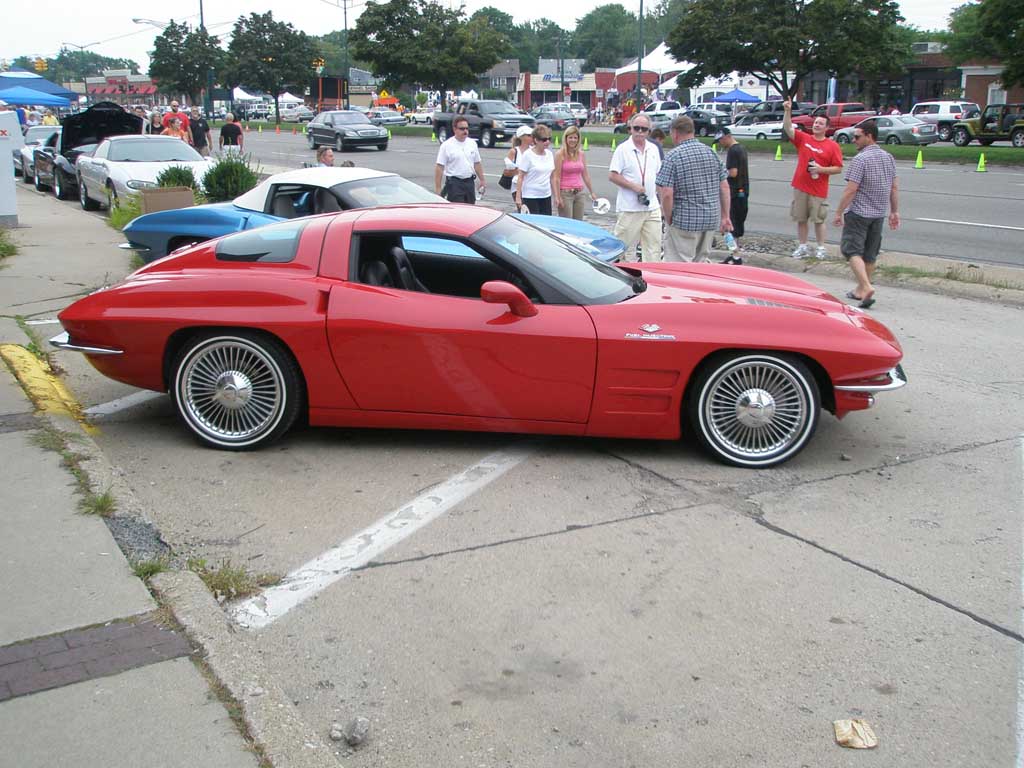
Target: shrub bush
231, 176
126, 209
177, 176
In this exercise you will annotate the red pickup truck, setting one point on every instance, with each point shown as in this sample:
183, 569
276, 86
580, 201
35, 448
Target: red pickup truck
841, 115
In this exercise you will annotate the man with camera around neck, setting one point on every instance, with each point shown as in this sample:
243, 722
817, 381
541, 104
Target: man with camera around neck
634, 169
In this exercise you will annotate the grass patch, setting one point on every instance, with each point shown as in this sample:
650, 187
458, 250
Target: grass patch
229, 582
960, 273
61, 442
147, 569
124, 211
7, 246
100, 504
32, 346
220, 692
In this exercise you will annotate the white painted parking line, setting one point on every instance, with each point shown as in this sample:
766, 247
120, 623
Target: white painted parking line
1020, 673
336, 563
973, 224
122, 403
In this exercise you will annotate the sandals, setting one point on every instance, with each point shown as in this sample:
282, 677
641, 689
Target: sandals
862, 303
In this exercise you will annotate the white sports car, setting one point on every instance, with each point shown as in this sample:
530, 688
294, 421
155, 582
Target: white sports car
747, 126
35, 137
125, 165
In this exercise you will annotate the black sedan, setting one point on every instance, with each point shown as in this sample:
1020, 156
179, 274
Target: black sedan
707, 121
555, 120
345, 129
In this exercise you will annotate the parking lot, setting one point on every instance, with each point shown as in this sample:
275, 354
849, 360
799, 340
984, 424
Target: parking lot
599, 602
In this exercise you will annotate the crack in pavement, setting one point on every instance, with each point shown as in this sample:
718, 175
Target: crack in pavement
761, 521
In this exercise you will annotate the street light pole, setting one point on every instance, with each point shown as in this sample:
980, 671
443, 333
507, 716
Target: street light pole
640, 56
208, 93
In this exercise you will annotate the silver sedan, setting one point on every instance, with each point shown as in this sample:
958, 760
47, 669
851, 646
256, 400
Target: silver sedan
894, 129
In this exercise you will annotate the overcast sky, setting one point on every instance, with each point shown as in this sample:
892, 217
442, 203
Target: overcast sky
107, 27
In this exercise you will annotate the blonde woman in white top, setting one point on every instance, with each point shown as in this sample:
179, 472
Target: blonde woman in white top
535, 168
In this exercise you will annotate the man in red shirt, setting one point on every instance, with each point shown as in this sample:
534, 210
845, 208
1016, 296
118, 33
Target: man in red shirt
175, 112
817, 158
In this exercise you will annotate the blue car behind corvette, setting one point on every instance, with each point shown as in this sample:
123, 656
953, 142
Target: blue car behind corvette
310, 191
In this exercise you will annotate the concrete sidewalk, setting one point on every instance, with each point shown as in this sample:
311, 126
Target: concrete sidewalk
92, 671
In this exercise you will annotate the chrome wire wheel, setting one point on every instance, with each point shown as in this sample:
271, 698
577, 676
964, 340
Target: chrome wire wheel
755, 410
236, 392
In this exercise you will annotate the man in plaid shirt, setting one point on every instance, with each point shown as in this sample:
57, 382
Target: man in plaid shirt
694, 195
871, 191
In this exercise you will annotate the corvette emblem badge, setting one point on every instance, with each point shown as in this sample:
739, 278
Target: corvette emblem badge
650, 328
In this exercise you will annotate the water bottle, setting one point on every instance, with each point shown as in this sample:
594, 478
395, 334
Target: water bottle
730, 242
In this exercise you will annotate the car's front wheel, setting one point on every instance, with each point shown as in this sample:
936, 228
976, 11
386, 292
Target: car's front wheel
236, 390
442, 134
702, 131
761, 137
961, 137
339, 143
88, 204
755, 409
383, 146
37, 181
112, 201
25, 175
487, 138
1017, 138
311, 140
60, 190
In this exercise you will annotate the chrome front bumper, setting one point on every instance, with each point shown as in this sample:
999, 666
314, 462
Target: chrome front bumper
896, 379
63, 341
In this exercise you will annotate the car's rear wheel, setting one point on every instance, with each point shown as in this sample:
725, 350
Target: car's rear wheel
1017, 138
961, 137
892, 139
761, 137
88, 204
487, 138
945, 132
842, 138
236, 391
754, 409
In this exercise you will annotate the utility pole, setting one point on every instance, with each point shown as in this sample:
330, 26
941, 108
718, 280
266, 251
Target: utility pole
561, 67
208, 94
640, 57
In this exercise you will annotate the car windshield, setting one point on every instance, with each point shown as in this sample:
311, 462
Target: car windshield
39, 133
541, 255
382, 190
151, 151
350, 118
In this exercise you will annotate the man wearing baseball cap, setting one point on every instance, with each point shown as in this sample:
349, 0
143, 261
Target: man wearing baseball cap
739, 184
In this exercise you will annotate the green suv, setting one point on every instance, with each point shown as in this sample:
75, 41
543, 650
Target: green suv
999, 122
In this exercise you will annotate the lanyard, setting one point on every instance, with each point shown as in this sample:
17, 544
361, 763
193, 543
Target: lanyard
643, 168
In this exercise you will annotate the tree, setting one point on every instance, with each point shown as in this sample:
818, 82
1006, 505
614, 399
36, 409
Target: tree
773, 38
422, 42
268, 55
1002, 23
182, 58
605, 36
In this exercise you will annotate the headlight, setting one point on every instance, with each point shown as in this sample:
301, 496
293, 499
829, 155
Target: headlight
499, 125
136, 184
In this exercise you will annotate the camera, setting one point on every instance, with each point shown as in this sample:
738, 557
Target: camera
643, 198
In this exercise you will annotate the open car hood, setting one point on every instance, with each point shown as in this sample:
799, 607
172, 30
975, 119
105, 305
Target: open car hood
95, 124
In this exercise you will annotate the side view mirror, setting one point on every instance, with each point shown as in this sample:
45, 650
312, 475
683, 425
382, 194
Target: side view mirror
501, 292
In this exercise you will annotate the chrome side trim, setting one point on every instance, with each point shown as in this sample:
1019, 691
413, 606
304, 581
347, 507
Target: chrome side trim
136, 248
63, 341
897, 379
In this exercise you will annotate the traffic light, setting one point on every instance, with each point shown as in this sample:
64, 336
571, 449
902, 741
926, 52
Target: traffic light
41, 65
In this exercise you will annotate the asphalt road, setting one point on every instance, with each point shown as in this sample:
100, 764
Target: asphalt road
947, 210
598, 602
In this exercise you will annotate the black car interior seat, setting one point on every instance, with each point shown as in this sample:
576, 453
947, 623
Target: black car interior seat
404, 274
283, 207
375, 273
324, 201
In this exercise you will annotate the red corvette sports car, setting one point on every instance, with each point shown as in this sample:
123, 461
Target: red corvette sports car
460, 317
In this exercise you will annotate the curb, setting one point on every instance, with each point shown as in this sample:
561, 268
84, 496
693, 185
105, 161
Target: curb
269, 715
46, 391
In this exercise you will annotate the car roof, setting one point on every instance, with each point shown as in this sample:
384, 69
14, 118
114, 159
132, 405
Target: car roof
256, 198
458, 220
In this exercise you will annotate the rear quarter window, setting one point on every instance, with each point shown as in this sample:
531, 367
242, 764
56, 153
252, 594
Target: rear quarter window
274, 244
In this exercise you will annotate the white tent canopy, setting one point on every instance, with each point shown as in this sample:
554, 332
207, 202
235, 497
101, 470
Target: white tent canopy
240, 95
659, 60
288, 98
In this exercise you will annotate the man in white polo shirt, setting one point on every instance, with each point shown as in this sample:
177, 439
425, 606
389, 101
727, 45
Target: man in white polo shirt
458, 160
634, 169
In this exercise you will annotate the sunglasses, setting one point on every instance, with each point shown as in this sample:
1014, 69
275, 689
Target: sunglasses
858, 136
543, 138
461, 127
640, 129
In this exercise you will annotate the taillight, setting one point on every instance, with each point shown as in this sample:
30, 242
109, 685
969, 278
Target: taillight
956, 117
915, 129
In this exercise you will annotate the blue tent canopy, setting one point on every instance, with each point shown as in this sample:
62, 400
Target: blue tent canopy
20, 95
20, 78
735, 95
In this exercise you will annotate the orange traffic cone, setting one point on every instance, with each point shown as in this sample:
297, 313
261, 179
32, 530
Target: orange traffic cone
247, 127
294, 132
278, 129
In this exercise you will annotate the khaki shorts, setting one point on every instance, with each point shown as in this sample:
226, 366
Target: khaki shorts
681, 245
807, 207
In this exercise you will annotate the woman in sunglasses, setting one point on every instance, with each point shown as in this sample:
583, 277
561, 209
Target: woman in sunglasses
535, 167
